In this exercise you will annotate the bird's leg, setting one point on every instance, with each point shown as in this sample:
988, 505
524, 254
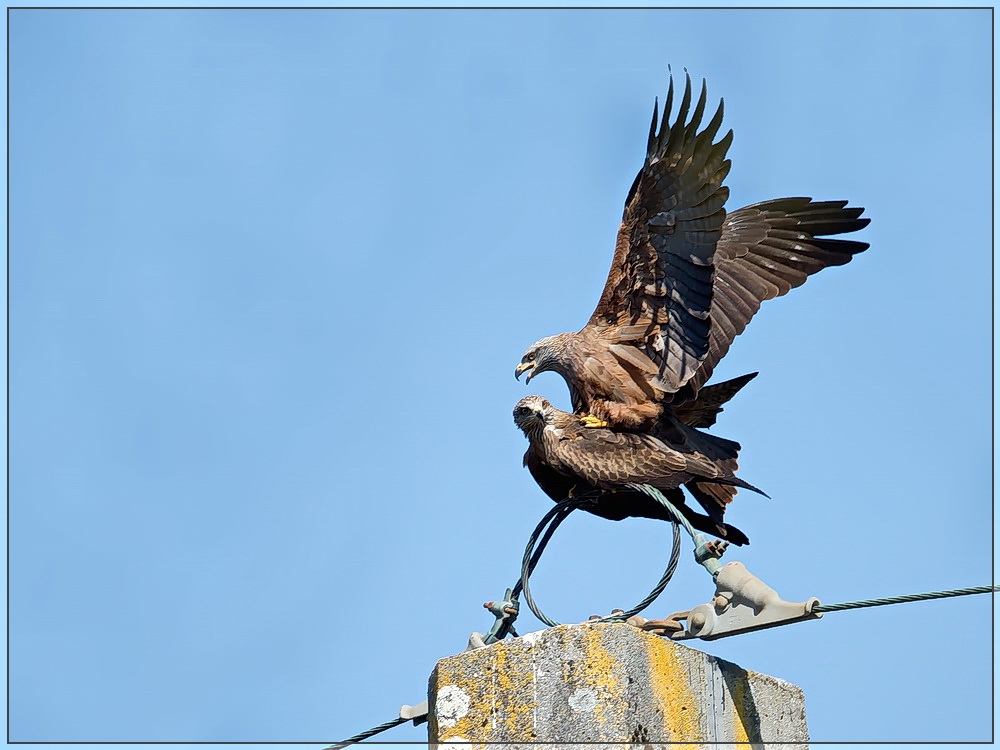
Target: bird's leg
630, 416
591, 421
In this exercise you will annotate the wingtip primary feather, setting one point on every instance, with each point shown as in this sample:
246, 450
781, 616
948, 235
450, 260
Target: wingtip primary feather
651, 142
668, 105
699, 110
682, 111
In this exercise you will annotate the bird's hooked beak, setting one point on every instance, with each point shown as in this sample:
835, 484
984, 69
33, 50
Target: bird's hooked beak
522, 368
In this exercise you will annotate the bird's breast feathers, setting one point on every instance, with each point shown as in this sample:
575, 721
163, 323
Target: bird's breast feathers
556, 433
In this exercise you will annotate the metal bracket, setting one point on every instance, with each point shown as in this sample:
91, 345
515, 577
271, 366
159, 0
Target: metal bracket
506, 612
707, 553
742, 603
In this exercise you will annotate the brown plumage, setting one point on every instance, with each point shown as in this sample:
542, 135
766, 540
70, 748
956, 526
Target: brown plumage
677, 427
566, 458
686, 278
625, 502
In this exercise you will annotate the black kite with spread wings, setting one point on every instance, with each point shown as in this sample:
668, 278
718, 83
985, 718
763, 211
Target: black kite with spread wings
686, 278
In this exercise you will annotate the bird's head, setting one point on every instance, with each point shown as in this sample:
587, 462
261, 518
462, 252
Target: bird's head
531, 414
545, 354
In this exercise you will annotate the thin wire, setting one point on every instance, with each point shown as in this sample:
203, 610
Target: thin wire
365, 735
904, 599
675, 556
505, 626
550, 522
557, 514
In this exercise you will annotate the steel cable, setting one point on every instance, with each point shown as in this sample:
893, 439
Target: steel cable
369, 733
543, 533
904, 599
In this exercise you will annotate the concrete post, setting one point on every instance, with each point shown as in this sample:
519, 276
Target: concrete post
606, 682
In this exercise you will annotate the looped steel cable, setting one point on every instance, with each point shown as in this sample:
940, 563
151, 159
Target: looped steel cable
675, 556
543, 533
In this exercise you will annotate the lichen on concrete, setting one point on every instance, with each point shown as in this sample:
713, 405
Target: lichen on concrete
610, 682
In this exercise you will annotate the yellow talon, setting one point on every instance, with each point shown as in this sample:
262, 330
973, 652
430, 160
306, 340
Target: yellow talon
591, 421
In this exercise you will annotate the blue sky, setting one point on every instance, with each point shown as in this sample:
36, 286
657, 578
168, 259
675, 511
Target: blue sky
271, 271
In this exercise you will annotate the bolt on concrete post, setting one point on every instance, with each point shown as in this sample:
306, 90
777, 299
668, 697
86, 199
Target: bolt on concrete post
607, 682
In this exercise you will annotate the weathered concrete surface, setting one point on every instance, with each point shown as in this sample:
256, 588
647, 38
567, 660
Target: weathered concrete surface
606, 682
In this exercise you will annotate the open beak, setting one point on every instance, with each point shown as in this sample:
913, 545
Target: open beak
523, 367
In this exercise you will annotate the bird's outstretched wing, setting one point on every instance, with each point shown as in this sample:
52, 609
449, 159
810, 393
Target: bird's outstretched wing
659, 291
766, 250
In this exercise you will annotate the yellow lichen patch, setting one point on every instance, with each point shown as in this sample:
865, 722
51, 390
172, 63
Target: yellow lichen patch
499, 686
454, 675
601, 671
671, 685
512, 687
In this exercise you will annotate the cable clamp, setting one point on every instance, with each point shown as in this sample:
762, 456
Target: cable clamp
417, 714
742, 603
506, 612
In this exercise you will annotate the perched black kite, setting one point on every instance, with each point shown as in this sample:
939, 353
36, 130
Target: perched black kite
686, 278
568, 459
